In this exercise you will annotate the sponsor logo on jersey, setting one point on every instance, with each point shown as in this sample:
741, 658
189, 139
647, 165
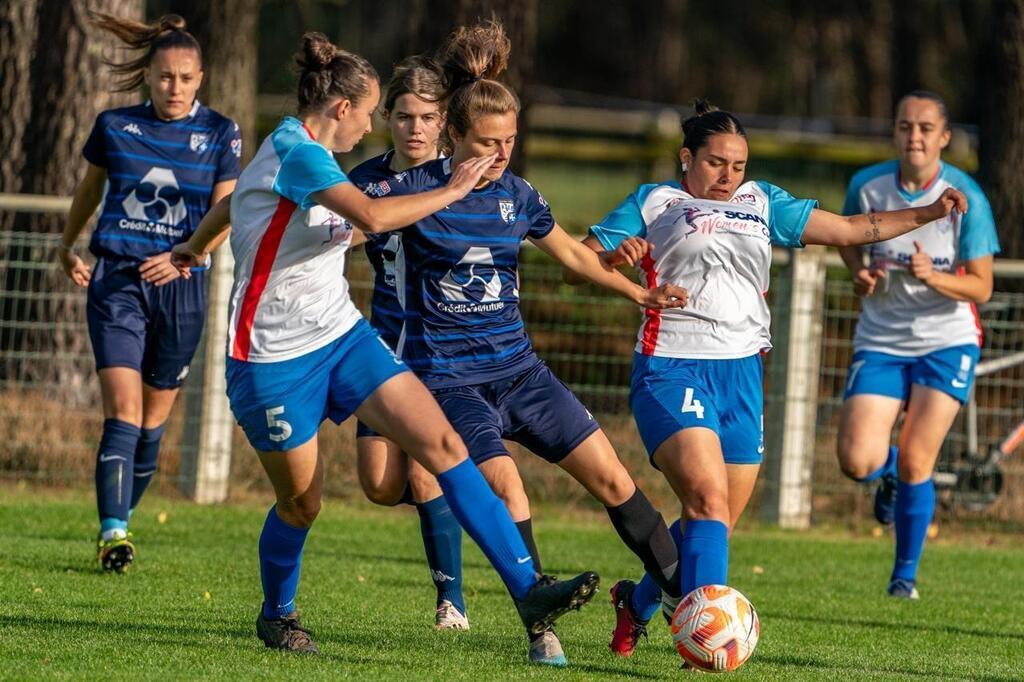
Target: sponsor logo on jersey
133, 128
508, 211
199, 142
746, 198
473, 285
378, 189
155, 203
236, 147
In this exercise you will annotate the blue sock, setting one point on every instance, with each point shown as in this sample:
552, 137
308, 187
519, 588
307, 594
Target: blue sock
703, 554
442, 541
887, 469
915, 505
647, 595
280, 564
145, 462
115, 465
486, 520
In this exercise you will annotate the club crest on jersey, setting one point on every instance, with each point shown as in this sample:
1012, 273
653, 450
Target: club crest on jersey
508, 211
236, 147
199, 142
378, 189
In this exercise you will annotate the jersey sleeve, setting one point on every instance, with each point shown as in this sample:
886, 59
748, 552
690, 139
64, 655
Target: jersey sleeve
622, 222
95, 149
229, 164
978, 237
538, 213
787, 216
306, 170
852, 204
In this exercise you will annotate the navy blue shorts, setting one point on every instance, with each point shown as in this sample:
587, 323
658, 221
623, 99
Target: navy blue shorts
132, 323
532, 408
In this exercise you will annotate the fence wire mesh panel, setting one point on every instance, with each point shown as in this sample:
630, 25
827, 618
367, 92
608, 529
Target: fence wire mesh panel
52, 417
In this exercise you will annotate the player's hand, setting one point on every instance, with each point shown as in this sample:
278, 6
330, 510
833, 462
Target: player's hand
467, 175
665, 296
158, 270
629, 252
950, 200
74, 267
183, 258
921, 264
865, 279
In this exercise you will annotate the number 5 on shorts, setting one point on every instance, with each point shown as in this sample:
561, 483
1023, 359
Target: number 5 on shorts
691, 405
274, 423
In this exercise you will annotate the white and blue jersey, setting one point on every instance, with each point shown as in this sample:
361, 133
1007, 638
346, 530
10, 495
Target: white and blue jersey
374, 176
462, 321
904, 316
160, 176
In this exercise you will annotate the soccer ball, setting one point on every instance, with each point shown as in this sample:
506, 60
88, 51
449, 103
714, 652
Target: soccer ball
715, 628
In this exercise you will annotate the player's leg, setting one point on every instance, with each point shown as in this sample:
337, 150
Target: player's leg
156, 408
382, 467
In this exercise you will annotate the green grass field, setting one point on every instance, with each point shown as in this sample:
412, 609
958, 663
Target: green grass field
187, 608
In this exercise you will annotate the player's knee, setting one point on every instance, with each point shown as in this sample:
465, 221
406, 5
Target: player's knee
852, 461
385, 493
124, 408
612, 487
708, 504
424, 485
512, 493
444, 450
299, 511
915, 466
855, 470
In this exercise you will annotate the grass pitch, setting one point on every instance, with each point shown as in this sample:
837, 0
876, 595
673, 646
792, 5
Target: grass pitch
187, 609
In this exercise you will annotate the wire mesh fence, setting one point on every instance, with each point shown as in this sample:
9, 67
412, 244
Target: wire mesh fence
52, 418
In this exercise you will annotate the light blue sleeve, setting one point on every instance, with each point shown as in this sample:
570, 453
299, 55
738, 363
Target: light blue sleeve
852, 204
787, 216
305, 170
978, 237
624, 221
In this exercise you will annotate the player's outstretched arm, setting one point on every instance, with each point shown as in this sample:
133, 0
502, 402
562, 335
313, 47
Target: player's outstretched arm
585, 263
630, 252
195, 252
87, 197
392, 213
867, 228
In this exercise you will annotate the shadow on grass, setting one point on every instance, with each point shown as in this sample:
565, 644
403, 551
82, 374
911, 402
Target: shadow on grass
190, 631
849, 670
863, 622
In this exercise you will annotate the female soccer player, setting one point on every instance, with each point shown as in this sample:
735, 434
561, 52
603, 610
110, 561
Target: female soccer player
414, 115
696, 390
918, 336
464, 334
161, 164
299, 352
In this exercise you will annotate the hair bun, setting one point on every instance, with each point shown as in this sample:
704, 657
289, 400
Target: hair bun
171, 22
701, 106
317, 51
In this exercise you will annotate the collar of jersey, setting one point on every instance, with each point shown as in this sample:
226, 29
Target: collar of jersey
191, 114
914, 196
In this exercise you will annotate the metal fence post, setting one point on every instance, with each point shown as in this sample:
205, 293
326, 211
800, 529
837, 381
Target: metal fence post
206, 439
792, 407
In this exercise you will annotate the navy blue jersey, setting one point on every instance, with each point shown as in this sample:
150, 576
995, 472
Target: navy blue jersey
160, 176
462, 323
375, 177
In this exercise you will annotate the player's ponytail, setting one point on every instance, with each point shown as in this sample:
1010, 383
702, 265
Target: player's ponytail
472, 57
167, 33
327, 72
708, 120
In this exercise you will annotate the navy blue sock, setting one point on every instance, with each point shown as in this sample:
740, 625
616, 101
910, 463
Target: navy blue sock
280, 564
647, 595
145, 462
887, 469
486, 520
915, 505
442, 541
703, 554
115, 465
526, 532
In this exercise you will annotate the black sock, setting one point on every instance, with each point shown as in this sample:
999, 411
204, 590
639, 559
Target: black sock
526, 530
643, 530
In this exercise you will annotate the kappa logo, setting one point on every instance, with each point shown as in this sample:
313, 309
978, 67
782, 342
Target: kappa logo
199, 142
475, 270
133, 128
508, 211
157, 198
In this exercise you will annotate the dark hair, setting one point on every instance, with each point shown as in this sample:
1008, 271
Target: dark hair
167, 33
472, 58
418, 75
706, 121
327, 71
931, 97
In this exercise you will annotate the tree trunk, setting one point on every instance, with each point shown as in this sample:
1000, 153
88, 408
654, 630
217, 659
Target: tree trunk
227, 32
17, 40
1002, 123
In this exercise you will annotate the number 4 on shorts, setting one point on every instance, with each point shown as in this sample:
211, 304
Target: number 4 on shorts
691, 405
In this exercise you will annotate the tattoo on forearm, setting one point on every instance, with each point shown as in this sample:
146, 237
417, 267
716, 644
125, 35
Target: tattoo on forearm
874, 234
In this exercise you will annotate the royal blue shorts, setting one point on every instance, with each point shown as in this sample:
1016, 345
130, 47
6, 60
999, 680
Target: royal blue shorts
280, 405
132, 323
668, 395
532, 408
950, 370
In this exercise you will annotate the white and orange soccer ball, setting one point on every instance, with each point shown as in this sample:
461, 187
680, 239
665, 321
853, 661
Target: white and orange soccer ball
715, 628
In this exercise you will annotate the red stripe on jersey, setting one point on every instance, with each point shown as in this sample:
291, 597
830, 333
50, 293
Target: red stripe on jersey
261, 267
652, 321
960, 272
